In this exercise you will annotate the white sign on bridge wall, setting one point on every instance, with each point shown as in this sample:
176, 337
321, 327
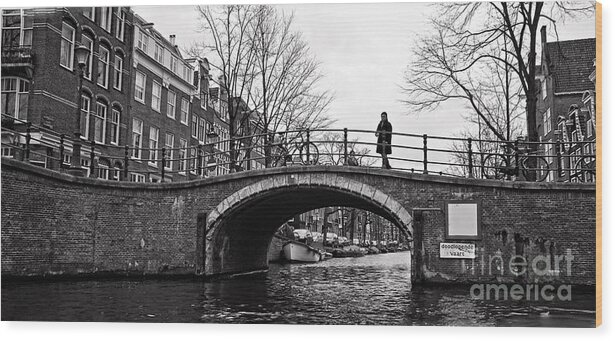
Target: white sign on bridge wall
457, 250
463, 219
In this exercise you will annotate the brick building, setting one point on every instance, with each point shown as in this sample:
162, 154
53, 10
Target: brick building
565, 106
39, 79
139, 95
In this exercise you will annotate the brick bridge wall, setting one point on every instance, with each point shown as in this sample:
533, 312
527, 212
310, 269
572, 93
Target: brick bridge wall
55, 224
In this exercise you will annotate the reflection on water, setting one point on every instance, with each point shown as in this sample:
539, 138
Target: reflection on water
369, 290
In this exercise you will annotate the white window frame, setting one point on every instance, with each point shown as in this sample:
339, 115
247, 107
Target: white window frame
183, 153
171, 104
85, 110
137, 138
106, 13
156, 95
201, 130
115, 126
169, 142
185, 111
100, 118
159, 53
137, 177
142, 40
118, 76
19, 94
25, 28
547, 122
140, 88
543, 85
103, 172
154, 135
85, 164
104, 63
120, 23
192, 162
173, 64
194, 125
93, 17
204, 99
90, 45
71, 45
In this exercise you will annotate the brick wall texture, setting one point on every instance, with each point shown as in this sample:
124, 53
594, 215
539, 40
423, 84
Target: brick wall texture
56, 224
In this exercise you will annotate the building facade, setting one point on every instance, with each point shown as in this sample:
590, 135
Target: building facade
146, 113
566, 105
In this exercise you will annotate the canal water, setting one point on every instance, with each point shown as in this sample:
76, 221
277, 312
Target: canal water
371, 290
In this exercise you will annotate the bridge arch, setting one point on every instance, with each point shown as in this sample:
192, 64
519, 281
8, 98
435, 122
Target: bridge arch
239, 229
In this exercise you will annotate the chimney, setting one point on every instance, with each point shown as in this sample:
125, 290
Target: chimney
543, 35
172, 39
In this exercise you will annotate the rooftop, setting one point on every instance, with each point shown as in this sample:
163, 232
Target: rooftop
571, 62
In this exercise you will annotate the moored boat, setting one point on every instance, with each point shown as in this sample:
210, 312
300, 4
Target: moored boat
299, 252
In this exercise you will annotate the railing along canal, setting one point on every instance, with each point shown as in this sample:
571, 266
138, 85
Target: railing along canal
567, 160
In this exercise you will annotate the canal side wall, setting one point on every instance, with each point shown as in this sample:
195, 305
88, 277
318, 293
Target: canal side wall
55, 224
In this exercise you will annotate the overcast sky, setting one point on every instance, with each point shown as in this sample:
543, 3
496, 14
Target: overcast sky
364, 50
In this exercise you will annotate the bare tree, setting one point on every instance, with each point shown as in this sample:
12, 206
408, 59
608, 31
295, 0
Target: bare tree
287, 76
229, 37
266, 66
332, 150
471, 38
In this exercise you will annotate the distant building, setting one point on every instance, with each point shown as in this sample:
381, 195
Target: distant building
566, 75
138, 92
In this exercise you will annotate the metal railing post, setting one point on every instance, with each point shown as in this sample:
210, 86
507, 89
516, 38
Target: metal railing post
470, 157
345, 146
517, 158
200, 160
425, 154
61, 150
559, 159
307, 146
92, 155
164, 163
126, 151
26, 155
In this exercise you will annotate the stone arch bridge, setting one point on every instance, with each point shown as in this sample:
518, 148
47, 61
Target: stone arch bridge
57, 224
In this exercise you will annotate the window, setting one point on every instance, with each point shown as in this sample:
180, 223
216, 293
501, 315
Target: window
173, 65
90, 13
85, 116
115, 126
85, 164
192, 160
182, 155
67, 46
100, 119
103, 67
15, 97
159, 53
547, 121
137, 135
105, 18
89, 43
142, 41
140, 87
543, 83
156, 93
8, 152
16, 28
195, 123
171, 99
183, 116
120, 22
204, 100
201, 132
168, 144
103, 172
136, 177
153, 146
118, 75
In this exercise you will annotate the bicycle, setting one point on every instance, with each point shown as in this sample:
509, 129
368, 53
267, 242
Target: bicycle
300, 152
584, 169
498, 166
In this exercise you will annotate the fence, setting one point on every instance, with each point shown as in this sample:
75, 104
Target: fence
446, 156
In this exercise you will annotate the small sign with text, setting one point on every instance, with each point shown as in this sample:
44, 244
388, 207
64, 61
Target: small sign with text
457, 250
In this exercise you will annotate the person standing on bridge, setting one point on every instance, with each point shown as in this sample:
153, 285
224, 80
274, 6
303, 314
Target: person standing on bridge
383, 132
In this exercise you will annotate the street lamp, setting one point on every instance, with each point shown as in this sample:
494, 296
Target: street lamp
81, 55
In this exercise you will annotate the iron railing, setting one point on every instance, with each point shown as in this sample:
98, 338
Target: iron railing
417, 153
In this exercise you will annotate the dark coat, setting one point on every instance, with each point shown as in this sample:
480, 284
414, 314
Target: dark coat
384, 136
